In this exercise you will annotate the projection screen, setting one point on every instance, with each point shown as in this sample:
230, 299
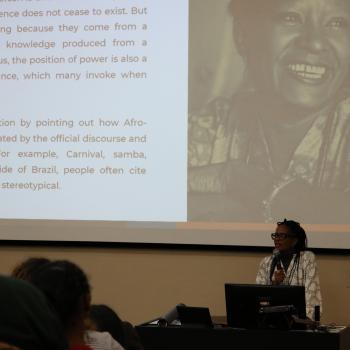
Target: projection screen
174, 121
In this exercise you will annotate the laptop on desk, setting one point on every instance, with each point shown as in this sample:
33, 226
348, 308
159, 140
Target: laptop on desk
192, 316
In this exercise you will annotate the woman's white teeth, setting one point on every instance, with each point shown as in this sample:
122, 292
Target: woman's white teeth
307, 70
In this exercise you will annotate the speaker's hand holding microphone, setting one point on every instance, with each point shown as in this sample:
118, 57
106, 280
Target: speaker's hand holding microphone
279, 275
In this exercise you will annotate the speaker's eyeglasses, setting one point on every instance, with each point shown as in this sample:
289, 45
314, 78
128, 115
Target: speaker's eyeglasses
275, 235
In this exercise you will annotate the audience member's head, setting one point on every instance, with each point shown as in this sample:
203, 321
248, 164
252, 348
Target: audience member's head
26, 319
25, 269
67, 288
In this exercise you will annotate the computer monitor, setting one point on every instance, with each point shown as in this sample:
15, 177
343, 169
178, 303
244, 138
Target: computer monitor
245, 302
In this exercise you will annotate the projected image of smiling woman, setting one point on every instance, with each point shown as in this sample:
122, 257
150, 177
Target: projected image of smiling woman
284, 145
305, 53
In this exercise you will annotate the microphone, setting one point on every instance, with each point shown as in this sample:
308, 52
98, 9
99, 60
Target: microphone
170, 316
317, 314
276, 256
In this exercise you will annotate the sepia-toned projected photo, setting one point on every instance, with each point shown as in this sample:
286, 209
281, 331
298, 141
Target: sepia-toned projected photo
269, 111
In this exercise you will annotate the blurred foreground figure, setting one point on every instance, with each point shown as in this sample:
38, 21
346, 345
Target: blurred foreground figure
26, 320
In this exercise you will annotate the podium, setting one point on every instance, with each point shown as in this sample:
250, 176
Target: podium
154, 337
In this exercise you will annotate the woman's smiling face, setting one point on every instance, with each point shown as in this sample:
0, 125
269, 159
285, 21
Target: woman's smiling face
305, 56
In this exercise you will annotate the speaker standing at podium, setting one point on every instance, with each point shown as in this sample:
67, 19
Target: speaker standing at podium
292, 264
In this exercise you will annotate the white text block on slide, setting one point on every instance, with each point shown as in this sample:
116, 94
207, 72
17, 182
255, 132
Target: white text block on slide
93, 118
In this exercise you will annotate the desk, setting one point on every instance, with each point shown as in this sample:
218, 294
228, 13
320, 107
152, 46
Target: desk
225, 338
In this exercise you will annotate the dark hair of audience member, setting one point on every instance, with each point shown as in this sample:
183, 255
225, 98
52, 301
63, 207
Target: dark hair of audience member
25, 269
66, 287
